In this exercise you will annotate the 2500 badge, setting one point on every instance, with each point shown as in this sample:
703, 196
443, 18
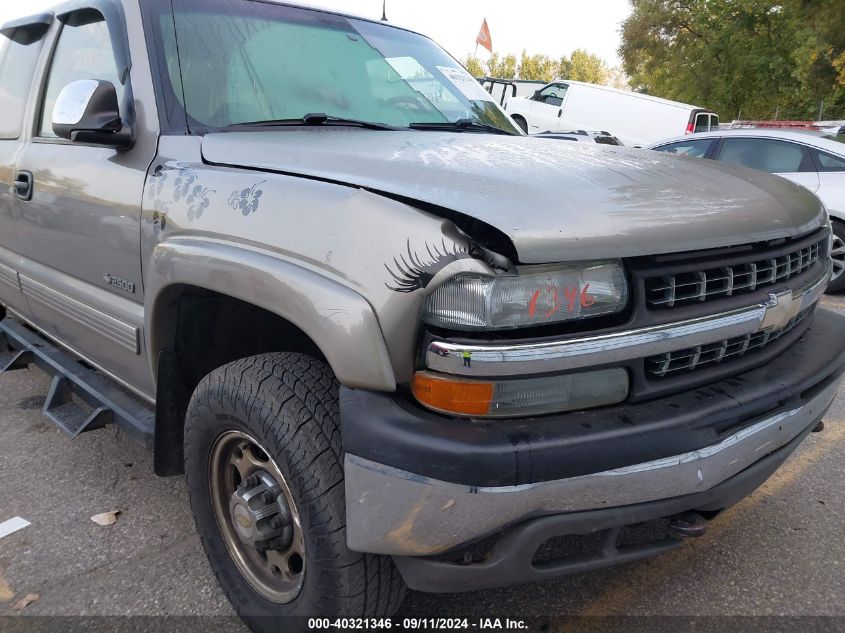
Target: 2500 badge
119, 282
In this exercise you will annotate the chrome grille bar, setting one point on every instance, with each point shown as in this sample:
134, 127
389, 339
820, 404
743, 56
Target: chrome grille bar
690, 359
667, 291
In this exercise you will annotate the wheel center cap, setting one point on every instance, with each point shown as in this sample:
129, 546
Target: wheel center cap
243, 519
260, 513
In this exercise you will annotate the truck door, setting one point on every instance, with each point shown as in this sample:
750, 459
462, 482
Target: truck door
546, 109
20, 45
80, 231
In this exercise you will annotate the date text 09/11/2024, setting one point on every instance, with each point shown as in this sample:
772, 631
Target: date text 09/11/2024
423, 624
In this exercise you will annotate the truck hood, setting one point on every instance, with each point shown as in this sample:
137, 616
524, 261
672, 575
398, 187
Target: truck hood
557, 201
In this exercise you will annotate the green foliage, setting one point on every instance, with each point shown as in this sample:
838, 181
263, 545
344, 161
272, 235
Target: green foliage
504, 68
580, 66
749, 58
537, 67
584, 66
474, 66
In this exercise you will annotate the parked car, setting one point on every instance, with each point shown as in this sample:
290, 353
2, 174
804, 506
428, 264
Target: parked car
812, 160
382, 332
594, 136
636, 119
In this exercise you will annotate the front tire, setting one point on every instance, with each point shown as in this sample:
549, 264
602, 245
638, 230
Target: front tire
264, 469
837, 255
522, 123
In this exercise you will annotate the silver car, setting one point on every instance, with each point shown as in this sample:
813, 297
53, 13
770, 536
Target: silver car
813, 160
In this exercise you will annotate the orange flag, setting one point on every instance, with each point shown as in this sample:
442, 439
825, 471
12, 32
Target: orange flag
484, 36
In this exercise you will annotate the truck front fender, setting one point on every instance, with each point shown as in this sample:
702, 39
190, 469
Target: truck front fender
336, 318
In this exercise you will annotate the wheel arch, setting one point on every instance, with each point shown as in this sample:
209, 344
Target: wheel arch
208, 303
517, 117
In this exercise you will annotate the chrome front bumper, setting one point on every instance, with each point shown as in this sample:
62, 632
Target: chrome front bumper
391, 511
593, 351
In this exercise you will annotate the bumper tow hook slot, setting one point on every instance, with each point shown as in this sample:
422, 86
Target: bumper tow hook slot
687, 525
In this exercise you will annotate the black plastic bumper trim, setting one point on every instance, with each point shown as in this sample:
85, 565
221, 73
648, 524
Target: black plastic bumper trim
390, 430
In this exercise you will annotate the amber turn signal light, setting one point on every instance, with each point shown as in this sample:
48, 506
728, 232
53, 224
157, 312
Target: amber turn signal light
521, 397
451, 395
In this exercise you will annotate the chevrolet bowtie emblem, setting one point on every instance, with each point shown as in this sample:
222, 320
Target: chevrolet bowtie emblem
780, 309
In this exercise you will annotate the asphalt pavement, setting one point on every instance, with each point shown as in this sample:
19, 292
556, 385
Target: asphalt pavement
780, 552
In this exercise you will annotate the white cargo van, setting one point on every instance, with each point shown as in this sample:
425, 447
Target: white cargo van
636, 119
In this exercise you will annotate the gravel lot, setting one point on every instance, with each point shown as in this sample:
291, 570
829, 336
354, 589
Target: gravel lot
778, 553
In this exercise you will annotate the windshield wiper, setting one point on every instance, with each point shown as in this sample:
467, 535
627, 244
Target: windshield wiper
461, 125
313, 118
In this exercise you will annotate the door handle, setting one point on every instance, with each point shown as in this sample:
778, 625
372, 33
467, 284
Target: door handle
559, 112
23, 185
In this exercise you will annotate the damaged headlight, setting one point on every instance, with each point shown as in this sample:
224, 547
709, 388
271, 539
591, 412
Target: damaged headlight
535, 296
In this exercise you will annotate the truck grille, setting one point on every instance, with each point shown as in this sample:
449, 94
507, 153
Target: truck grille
690, 359
667, 291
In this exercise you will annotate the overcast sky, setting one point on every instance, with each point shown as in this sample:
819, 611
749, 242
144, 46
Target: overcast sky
552, 27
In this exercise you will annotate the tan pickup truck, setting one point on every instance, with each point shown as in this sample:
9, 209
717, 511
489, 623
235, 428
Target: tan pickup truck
390, 340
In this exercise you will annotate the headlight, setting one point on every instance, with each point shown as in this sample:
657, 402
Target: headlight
538, 296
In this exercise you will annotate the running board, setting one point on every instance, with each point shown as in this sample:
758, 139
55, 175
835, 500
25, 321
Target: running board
79, 399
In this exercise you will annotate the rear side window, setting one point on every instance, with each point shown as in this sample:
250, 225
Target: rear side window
702, 122
829, 162
697, 148
18, 57
764, 154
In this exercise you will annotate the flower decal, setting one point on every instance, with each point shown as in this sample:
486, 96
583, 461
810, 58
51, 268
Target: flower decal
157, 182
183, 182
198, 201
247, 199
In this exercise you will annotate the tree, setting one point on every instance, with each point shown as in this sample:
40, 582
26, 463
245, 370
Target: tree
474, 66
536, 67
504, 68
564, 68
584, 66
752, 56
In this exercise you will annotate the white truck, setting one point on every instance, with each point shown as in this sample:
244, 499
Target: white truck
636, 119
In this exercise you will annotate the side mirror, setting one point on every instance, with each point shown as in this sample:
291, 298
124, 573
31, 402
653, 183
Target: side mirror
536, 95
87, 111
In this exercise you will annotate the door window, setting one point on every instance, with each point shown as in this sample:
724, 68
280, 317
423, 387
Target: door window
829, 162
84, 52
553, 95
771, 155
17, 67
697, 148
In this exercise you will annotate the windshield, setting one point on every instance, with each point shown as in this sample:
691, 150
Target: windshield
238, 61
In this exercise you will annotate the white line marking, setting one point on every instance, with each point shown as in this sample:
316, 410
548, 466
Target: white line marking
12, 525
